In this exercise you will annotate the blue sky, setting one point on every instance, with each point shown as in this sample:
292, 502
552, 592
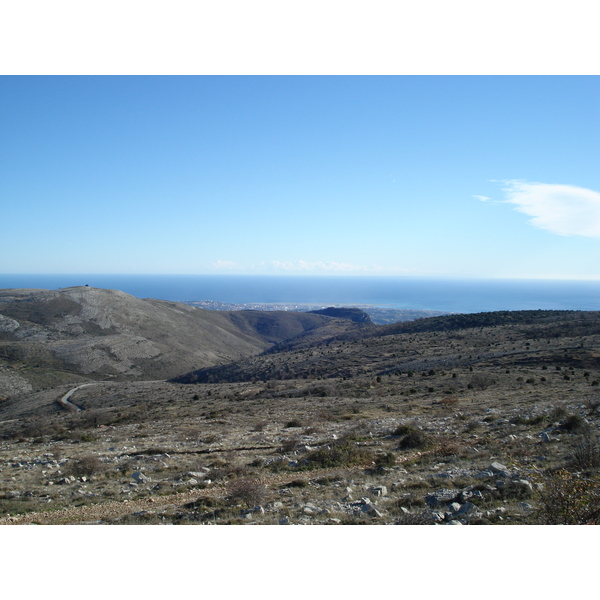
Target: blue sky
444, 176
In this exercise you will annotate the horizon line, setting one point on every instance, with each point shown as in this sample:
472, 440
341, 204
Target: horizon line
307, 275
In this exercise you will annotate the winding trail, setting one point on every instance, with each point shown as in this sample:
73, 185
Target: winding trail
66, 403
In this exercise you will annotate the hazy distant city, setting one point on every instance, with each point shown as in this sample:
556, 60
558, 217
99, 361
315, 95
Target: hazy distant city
379, 315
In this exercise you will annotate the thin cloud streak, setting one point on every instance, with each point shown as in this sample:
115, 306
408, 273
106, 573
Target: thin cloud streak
332, 267
561, 209
309, 267
224, 265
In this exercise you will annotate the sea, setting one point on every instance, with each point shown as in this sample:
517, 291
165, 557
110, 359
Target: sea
418, 293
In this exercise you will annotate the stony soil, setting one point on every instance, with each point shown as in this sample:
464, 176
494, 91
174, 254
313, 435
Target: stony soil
470, 427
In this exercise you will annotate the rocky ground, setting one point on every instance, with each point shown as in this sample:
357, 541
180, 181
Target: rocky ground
249, 453
489, 424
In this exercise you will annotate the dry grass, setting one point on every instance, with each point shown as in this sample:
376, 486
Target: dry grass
309, 450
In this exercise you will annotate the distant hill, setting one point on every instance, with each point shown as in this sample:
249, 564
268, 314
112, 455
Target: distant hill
431, 343
48, 337
565, 318
352, 314
379, 315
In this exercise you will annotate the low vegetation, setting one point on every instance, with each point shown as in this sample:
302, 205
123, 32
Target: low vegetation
491, 419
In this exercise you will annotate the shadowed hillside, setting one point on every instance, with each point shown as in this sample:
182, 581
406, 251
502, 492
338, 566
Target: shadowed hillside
568, 319
352, 314
522, 337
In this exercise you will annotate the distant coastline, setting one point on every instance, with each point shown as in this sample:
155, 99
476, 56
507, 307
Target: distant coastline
414, 293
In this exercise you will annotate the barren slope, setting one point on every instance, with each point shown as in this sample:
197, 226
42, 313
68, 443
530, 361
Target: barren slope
100, 333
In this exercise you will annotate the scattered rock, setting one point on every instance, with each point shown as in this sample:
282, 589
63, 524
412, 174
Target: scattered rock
466, 508
196, 474
378, 490
140, 477
499, 469
441, 497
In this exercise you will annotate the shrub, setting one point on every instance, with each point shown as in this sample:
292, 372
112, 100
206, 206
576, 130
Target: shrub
557, 413
593, 404
342, 454
296, 483
449, 448
587, 452
574, 423
515, 490
449, 402
251, 490
85, 466
412, 438
290, 445
385, 460
569, 499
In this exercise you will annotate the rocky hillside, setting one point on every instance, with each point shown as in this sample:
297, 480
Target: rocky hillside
49, 337
567, 338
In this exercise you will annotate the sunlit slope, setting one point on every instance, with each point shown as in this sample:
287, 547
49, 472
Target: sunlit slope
101, 333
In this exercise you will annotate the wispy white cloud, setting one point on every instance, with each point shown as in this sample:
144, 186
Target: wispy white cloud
482, 198
310, 267
561, 209
304, 266
225, 265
